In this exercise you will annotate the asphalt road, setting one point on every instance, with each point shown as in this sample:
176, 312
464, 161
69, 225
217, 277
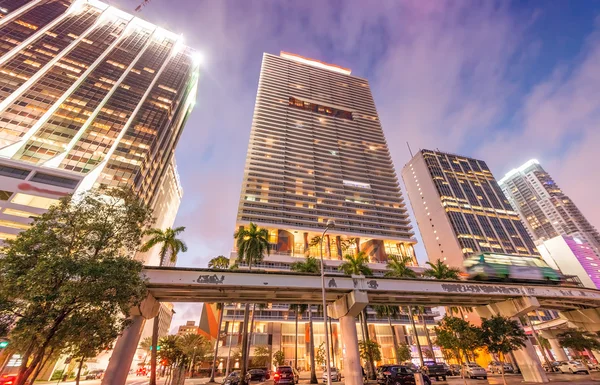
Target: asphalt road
493, 379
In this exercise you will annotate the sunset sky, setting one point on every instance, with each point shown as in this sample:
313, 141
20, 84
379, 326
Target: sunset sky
500, 81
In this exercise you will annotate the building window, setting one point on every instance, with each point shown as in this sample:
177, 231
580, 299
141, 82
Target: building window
54, 180
319, 109
13, 172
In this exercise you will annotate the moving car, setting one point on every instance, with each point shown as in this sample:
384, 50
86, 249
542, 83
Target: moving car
232, 379
433, 369
286, 375
94, 374
336, 375
8, 379
398, 375
496, 367
573, 367
257, 375
473, 370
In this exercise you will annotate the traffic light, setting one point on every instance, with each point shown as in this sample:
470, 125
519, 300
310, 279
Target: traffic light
157, 348
3, 344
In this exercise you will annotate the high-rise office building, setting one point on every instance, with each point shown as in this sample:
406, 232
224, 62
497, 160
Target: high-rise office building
317, 152
546, 211
89, 95
461, 210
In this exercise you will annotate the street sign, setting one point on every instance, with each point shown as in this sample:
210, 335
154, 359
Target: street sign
3, 344
157, 348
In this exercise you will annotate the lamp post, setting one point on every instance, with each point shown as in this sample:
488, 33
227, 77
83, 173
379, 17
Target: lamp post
330, 225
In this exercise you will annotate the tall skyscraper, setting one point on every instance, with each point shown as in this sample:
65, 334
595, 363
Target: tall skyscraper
317, 152
89, 95
461, 210
544, 208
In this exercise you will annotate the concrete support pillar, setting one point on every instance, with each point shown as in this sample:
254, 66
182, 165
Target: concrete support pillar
126, 345
123, 353
346, 309
526, 358
596, 355
557, 350
352, 369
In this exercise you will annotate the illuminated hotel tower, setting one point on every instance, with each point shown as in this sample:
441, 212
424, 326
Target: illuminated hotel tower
461, 210
89, 95
317, 152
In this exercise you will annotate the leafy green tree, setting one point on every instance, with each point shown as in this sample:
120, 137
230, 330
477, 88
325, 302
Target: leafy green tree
278, 358
398, 267
320, 358
578, 340
356, 265
72, 266
403, 353
219, 262
195, 347
252, 244
501, 336
459, 336
168, 240
369, 349
261, 356
312, 266
439, 270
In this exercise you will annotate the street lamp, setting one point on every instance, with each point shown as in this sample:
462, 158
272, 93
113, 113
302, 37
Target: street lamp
330, 224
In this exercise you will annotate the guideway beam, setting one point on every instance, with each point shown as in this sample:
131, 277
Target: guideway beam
527, 359
346, 309
126, 345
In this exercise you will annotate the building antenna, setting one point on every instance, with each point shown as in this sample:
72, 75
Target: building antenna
409, 150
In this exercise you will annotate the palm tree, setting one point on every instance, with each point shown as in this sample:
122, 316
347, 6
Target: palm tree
170, 243
414, 326
168, 239
440, 270
146, 346
398, 267
310, 265
389, 312
297, 309
219, 262
252, 244
357, 265
194, 346
420, 310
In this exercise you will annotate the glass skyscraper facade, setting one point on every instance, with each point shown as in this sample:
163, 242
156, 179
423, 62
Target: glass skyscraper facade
89, 95
545, 209
461, 210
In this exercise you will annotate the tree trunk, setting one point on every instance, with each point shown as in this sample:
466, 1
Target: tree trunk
332, 344
81, 361
313, 370
502, 371
296, 344
214, 363
428, 336
153, 352
41, 365
370, 363
250, 335
412, 321
394, 338
243, 368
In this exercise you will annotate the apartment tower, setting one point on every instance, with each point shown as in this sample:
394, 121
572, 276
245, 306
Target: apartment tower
461, 210
546, 211
89, 96
317, 152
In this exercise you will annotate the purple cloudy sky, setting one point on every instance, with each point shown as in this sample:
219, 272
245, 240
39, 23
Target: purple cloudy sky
504, 82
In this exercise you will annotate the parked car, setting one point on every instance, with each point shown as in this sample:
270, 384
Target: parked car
286, 375
433, 369
8, 379
593, 366
336, 375
552, 368
455, 370
232, 379
256, 375
398, 375
473, 370
573, 367
496, 367
94, 374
